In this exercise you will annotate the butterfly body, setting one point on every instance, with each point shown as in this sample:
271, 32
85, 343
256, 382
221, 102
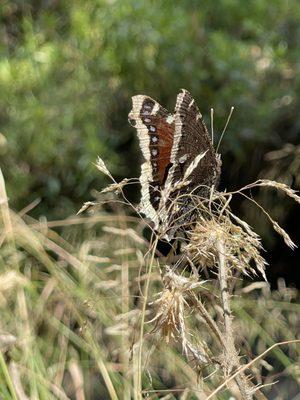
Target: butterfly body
179, 157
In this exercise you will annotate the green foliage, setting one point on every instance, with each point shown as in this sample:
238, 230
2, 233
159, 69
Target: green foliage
68, 70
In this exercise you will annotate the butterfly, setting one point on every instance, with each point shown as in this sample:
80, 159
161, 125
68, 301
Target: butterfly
179, 157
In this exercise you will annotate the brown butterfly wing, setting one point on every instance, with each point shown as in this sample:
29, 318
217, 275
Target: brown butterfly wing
170, 144
191, 138
155, 128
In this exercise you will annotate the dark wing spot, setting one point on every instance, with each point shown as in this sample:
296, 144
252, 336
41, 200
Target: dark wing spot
147, 107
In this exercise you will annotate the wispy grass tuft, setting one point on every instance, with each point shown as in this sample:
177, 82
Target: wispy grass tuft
88, 309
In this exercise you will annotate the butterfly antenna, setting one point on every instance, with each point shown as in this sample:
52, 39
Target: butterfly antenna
225, 127
212, 124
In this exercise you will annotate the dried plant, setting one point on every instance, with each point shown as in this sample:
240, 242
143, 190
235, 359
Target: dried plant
97, 302
172, 305
213, 238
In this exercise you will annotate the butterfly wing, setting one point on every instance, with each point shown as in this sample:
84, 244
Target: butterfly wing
191, 139
155, 128
170, 144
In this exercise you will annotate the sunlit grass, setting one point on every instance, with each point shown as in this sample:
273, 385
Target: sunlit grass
74, 316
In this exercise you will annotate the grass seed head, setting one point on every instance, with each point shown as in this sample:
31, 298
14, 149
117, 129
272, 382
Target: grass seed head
172, 305
242, 247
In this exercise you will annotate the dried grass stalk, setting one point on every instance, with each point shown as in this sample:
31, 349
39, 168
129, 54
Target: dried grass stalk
231, 359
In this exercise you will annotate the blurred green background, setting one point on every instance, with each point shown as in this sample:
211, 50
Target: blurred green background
69, 68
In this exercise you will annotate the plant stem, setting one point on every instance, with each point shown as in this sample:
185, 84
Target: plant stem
231, 354
145, 300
